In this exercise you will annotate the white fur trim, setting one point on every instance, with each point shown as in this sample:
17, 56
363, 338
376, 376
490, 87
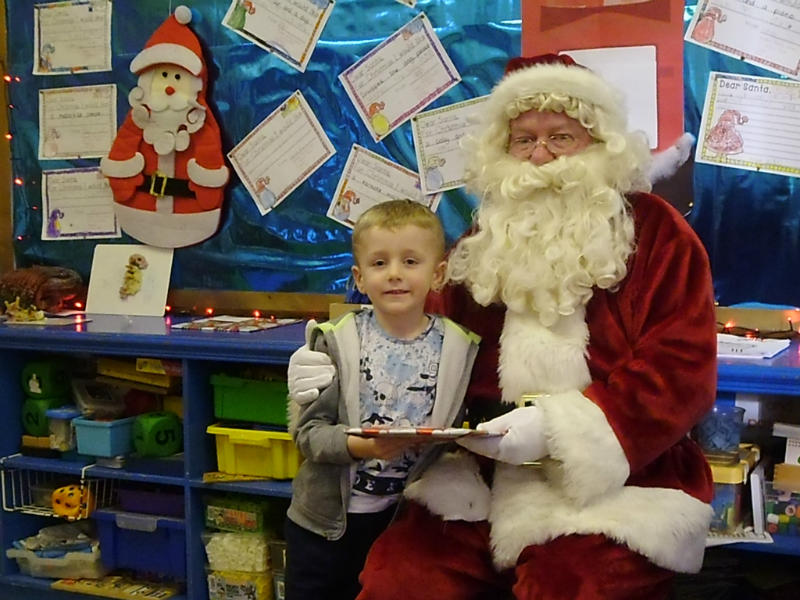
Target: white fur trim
453, 489
539, 359
667, 526
122, 168
183, 14
667, 162
167, 231
573, 81
589, 459
206, 177
167, 53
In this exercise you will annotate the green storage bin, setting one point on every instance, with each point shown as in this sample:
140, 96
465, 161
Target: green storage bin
237, 399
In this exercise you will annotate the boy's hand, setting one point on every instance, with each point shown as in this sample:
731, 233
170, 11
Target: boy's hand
382, 446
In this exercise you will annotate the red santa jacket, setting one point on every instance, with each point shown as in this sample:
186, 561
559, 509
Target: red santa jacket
651, 357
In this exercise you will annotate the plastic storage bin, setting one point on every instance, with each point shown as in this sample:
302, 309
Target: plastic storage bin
781, 508
152, 501
249, 400
62, 432
104, 438
143, 543
251, 451
727, 502
231, 513
73, 565
238, 585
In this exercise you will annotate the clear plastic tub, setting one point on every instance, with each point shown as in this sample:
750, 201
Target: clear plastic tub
73, 565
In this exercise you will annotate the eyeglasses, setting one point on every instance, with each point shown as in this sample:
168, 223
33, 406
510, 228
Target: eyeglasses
556, 144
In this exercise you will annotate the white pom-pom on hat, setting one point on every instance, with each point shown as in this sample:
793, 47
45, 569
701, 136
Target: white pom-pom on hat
183, 14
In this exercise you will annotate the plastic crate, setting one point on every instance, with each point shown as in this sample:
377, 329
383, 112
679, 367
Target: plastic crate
142, 543
238, 399
239, 585
255, 452
152, 502
72, 565
126, 369
104, 438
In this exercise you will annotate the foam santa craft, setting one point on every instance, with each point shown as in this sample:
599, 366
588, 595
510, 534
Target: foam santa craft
166, 167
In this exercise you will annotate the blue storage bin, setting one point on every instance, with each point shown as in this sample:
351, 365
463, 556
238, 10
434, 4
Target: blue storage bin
142, 543
104, 438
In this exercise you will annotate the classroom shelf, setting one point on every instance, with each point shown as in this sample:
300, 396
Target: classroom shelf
201, 354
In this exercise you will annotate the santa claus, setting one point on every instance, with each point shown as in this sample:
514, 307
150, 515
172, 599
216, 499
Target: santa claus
166, 167
594, 302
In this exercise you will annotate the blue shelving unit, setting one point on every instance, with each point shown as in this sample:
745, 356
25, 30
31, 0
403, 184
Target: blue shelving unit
105, 335
775, 376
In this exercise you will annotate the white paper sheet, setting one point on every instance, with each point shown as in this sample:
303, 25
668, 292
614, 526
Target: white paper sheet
368, 179
632, 70
288, 28
77, 122
751, 123
281, 152
77, 204
437, 135
129, 279
762, 32
57, 50
399, 77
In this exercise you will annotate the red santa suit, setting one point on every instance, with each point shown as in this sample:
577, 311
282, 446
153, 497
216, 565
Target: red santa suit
622, 499
166, 167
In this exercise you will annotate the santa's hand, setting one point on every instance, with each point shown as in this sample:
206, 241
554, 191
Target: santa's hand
523, 439
309, 371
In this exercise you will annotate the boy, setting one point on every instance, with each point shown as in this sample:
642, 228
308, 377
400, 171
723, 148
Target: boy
396, 366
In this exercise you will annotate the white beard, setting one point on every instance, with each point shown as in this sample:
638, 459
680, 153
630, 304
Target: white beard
166, 121
547, 235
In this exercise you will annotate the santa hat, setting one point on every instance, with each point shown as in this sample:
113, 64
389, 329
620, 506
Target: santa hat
173, 43
556, 74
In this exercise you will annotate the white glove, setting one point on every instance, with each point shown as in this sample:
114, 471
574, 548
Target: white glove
523, 440
309, 371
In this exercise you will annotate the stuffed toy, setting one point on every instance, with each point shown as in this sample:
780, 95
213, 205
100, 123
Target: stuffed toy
166, 168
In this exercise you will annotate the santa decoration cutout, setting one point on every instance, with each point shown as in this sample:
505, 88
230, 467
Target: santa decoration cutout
166, 167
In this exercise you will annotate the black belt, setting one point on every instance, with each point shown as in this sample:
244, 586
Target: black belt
161, 185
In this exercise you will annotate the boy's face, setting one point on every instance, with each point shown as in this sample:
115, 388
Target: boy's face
396, 269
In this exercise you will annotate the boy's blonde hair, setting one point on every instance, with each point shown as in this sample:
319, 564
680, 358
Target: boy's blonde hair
394, 214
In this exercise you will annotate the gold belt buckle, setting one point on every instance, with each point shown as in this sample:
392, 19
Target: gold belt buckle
153, 178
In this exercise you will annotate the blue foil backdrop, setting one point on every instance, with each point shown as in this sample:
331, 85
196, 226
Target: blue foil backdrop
748, 221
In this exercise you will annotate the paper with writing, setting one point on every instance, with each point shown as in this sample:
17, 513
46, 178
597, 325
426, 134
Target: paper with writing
77, 122
57, 50
368, 179
748, 123
399, 77
437, 135
288, 28
762, 32
281, 152
77, 204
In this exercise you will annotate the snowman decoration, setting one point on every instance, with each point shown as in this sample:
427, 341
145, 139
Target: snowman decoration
166, 168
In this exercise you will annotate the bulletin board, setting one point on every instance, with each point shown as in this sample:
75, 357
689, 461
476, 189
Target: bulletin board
294, 247
749, 221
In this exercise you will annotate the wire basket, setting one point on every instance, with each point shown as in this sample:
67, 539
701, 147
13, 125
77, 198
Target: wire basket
32, 492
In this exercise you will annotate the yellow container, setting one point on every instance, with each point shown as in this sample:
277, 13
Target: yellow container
243, 451
126, 369
239, 585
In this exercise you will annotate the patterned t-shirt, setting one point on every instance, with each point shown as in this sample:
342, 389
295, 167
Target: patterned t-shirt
397, 387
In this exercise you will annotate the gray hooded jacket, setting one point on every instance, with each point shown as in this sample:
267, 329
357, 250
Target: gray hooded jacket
321, 489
